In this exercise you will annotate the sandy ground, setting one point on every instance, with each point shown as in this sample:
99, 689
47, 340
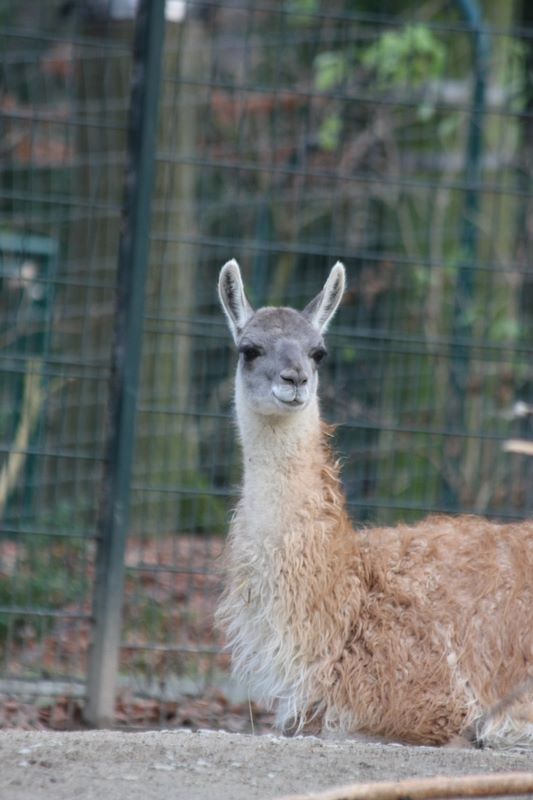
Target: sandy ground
181, 765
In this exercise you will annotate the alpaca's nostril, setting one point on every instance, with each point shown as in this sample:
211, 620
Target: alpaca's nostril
288, 376
293, 377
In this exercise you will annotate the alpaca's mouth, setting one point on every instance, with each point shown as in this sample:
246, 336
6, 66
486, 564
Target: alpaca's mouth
288, 399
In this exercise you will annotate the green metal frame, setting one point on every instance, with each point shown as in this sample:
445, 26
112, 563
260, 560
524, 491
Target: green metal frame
131, 277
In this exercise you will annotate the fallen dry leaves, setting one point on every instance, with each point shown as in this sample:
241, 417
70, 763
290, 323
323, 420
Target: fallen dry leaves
211, 711
171, 589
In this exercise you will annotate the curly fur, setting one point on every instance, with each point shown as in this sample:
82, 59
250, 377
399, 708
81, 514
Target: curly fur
415, 633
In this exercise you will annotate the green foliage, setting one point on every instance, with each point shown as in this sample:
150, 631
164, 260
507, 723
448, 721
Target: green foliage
329, 132
301, 12
349, 354
412, 55
201, 510
45, 578
448, 127
505, 329
330, 69
514, 77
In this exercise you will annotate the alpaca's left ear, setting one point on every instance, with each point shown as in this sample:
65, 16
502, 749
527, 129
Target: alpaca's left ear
321, 309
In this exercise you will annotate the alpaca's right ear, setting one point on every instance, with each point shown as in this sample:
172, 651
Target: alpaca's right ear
231, 293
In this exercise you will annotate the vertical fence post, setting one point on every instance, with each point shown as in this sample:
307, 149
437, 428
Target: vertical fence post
465, 286
131, 275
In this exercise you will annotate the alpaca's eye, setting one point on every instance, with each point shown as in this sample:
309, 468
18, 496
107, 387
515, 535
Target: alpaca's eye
249, 352
319, 354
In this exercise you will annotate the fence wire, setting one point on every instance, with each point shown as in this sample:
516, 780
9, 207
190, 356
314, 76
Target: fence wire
394, 136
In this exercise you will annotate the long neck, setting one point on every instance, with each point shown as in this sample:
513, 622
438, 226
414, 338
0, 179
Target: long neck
284, 468
290, 552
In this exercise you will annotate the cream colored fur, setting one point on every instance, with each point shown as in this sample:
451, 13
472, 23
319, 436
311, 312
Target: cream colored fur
413, 633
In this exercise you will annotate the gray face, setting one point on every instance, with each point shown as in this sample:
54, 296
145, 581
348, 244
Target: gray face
279, 348
279, 353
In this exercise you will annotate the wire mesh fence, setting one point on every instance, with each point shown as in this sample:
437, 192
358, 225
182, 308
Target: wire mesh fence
394, 136
63, 138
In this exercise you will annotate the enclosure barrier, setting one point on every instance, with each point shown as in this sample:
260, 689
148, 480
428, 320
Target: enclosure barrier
289, 135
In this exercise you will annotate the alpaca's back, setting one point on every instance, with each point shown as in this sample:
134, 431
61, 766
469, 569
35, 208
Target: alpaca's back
446, 628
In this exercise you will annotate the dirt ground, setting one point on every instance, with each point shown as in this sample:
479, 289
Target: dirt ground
181, 765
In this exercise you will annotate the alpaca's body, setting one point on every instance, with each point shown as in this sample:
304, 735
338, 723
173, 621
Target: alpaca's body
412, 633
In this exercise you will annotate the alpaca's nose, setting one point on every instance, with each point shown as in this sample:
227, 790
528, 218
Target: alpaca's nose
293, 377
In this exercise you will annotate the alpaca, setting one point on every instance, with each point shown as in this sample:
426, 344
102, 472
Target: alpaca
416, 633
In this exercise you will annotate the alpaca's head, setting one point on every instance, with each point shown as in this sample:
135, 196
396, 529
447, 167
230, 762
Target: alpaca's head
280, 349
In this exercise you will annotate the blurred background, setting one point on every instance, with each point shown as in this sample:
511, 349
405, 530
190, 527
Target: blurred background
394, 135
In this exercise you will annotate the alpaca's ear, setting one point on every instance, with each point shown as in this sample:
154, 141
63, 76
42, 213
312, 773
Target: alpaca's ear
231, 293
320, 311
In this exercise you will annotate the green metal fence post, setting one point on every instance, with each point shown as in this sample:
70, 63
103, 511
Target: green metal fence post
464, 293
131, 274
